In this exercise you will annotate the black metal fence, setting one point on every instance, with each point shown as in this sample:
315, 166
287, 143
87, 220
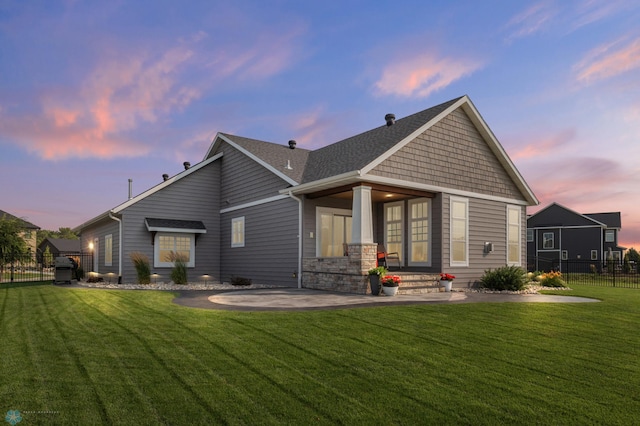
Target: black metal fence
608, 273
39, 267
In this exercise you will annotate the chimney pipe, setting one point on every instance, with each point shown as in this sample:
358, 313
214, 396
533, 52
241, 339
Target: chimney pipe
130, 188
292, 144
165, 176
390, 119
186, 165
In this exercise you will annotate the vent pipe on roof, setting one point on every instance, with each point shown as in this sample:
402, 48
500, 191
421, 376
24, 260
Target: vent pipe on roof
165, 177
186, 165
130, 188
288, 166
390, 119
292, 144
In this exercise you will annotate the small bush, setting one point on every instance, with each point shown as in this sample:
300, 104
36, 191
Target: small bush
94, 279
551, 279
143, 270
240, 281
179, 271
511, 278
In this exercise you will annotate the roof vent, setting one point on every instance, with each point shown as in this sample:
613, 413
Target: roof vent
186, 165
165, 177
288, 166
292, 144
390, 119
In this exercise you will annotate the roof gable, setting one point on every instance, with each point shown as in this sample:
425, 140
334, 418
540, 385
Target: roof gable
25, 224
63, 244
556, 215
611, 219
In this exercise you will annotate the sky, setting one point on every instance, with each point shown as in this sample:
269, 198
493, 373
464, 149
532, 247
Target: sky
94, 93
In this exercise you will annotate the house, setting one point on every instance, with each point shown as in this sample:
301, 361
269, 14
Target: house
436, 187
29, 231
557, 233
50, 248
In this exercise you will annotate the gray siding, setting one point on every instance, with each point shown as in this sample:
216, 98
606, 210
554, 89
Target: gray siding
99, 231
487, 223
270, 252
194, 197
244, 180
451, 154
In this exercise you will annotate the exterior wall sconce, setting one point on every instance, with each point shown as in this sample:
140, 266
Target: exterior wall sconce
91, 246
488, 247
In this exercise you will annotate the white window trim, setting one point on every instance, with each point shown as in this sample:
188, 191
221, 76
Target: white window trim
465, 201
553, 241
519, 210
594, 254
402, 228
156, 249
241, 221
328, 210
611, 232
108, 250
429, 232
530, 235
564, 255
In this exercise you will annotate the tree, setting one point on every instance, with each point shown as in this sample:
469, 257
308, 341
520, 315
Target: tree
64, 233
11, 242
632, 255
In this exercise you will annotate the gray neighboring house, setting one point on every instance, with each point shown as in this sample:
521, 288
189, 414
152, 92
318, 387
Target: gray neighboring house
558, 233
58, 247
436, 187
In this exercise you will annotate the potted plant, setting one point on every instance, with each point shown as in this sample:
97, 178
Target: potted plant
390, 284
374, 279
446, 280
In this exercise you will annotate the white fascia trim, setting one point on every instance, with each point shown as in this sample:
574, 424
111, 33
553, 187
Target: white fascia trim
254, 203
166, 183
434, 188
259, 161
568, 227
329, 182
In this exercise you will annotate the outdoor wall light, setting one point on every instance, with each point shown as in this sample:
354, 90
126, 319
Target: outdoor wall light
488, 247
91, 246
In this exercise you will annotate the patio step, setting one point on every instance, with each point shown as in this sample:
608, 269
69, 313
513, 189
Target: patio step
416, 283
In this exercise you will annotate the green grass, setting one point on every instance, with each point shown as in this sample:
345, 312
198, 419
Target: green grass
75, 356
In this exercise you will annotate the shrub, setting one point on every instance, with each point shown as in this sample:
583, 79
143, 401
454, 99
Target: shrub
240, 281
141, 262
95, 279
551, 279
512, 278
179, 271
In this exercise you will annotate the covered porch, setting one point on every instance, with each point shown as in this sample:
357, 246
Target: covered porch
346, 228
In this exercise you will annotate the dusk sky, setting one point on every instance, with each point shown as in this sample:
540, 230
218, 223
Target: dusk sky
93, 93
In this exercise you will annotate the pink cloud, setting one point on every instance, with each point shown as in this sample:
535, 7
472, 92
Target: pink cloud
530, 21
609, 60
422, 75
543, 146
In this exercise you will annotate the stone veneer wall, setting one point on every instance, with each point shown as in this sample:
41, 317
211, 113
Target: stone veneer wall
346, 274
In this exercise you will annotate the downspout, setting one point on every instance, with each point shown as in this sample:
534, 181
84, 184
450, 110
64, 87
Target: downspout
299, 238
119, 246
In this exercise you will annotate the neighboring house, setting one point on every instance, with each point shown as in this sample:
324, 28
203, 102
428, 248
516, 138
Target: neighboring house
436, 187
50, 248
29, 232
557, 233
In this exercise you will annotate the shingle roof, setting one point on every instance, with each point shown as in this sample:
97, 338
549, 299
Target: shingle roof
25, 224
65, 245
155, 223
279, 156
611, 219
356, 152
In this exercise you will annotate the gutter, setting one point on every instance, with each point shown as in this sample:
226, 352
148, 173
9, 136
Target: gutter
299, 237
119, 246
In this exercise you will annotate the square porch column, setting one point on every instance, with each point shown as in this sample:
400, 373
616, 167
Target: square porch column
362, 216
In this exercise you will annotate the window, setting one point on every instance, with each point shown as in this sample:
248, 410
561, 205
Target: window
594, 254
547, 240
167, 245
333, 228
419, 212
108, 250
565, 255
529, 235
609, 236
459, 238
513, 235
394, 229
237, 232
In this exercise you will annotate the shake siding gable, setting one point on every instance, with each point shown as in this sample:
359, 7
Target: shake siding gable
195, 197
451, 154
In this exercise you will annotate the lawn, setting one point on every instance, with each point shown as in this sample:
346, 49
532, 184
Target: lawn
75, 356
